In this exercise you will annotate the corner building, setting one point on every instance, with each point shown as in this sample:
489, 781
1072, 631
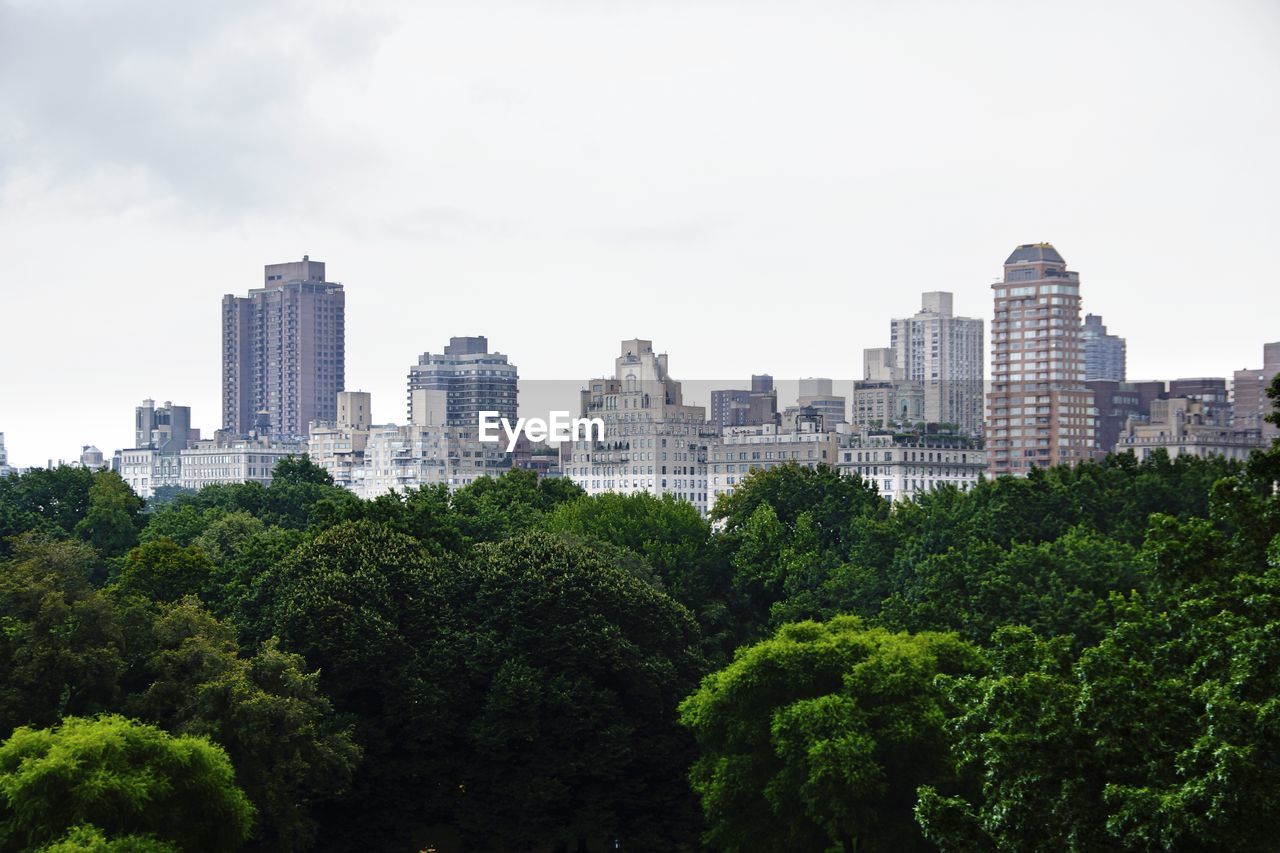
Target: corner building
1040, 412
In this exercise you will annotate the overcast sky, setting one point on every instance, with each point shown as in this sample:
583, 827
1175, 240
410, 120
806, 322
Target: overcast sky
756, 186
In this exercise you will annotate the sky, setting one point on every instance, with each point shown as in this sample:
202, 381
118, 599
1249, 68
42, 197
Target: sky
755, 186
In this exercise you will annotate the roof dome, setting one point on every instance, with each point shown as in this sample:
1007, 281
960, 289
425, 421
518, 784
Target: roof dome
1030, 253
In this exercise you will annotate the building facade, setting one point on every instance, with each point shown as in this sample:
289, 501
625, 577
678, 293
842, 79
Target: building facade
1040, 411
463, 381
1115, 403
1104, 354
283, 351
902, 466
4, 458
338, 446
1250, 404
652, 443
741, 450
208, 462
736, 407
1189, 426
942, 353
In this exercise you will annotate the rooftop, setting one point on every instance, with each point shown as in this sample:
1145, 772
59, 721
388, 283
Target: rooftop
1030, 253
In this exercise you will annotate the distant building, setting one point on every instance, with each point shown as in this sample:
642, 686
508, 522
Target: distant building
1250, 403
161, 433
338, 446
882, 398
283, 351
1115, 403
741, 450
1186, 425
817, 395
463, 381
735, 407
1041, 412
208, 463
904, 465
5, 470
653, 442
1104, 354
942, 353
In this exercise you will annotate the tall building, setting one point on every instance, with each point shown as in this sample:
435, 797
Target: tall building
1250, 403
283, 353
652, 442
4, 458
1104, 354
463, 381
1041, 412
943, 353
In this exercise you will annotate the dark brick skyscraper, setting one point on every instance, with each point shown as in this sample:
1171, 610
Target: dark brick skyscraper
282, 350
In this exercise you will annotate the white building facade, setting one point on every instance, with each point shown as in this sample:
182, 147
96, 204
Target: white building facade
652, 441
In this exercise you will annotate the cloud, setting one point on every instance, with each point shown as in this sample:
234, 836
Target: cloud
213, 103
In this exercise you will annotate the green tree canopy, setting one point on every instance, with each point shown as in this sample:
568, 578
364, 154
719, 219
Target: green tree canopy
123, 777
821, 735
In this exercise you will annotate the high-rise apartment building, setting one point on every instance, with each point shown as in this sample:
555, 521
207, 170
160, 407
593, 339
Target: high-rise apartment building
283, 357
4, 458
943, 354
1104, 354
461, 382
652, 442
1250, 403
1041, 412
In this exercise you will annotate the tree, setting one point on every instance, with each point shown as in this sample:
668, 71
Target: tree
363, 603
112, 520
572, 672
289, 749
493, 508
672, 540
162, 570
61, 640
821, 735
124, 777
87, 838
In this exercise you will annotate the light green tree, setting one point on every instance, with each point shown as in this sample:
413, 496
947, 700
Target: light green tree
821, 735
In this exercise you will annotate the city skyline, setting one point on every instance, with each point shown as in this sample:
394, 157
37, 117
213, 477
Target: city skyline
461, 175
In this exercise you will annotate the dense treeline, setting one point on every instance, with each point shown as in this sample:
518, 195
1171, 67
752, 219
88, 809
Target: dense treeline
1085, 659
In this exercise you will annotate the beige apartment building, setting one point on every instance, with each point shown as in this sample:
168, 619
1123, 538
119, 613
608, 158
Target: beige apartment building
338, 446
741, 450
1188, 426
1250, 404
1040, 413
652, 443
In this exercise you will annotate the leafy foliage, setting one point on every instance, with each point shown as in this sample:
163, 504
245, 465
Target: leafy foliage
123, 777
